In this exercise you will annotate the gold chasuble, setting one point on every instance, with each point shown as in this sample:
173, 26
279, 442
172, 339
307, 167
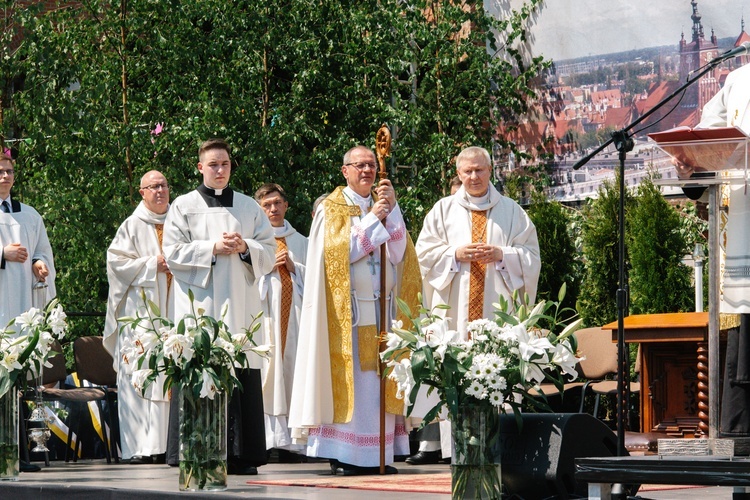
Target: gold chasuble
338, 291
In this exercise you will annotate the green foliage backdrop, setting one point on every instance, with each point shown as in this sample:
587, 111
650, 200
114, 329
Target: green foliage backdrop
292, 84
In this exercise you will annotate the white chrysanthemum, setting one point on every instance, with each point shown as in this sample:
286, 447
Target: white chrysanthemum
477, 390
496, 398
476, 371
497, 382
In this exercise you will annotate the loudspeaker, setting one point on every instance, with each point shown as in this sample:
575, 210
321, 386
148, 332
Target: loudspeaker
537, 460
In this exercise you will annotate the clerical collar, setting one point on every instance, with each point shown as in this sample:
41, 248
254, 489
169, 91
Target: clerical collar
281, 230
478, 200
363, 202
216, 197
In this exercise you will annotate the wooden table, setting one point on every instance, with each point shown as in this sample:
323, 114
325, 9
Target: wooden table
674, 370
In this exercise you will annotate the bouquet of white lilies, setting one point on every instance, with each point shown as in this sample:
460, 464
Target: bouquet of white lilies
495, 362
198, 353
26, 343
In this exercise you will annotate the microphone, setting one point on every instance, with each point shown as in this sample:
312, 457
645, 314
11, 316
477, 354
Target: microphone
741, 50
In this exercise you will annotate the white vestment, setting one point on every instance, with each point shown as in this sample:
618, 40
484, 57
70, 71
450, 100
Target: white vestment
190, 231
278, 374
730, 107
355, 442
26, 227
448, 226
131, 270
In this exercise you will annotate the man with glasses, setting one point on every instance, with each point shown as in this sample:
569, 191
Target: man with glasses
135, 264
336, 395
25, 252
218, 243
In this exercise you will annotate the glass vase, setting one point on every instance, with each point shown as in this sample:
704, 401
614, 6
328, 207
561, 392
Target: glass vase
475, 467
9, 436
203, 442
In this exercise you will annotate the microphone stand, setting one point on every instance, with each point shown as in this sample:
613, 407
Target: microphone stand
624, 143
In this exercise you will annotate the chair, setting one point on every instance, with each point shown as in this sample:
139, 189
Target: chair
95, 365
609, 387
600, 363
600, 360
77, 398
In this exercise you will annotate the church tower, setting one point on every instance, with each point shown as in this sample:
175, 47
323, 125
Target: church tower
695, 54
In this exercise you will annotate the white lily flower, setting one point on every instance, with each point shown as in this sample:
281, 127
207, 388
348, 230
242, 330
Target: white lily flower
438, 337
565, 359
208, 389
138, 379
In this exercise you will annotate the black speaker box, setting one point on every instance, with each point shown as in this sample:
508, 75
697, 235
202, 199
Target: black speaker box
537, 461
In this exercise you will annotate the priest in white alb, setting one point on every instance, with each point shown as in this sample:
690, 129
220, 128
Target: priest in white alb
26, 258
475, 246
135, 267
218, 243
281, 293
336, 395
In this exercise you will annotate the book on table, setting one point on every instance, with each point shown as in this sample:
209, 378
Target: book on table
705, 149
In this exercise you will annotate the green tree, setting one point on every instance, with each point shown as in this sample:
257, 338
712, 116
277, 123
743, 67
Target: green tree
659, 282
596, 302
107, 90
560, 261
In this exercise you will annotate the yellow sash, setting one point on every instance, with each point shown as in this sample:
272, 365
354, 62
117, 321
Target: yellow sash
339, 307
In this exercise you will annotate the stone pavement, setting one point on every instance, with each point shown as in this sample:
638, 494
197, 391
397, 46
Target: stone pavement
96, 480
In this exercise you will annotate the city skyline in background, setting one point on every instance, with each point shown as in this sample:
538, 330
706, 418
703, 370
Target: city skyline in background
569, 29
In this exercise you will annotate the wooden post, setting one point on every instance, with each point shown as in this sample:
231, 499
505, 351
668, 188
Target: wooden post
383, 151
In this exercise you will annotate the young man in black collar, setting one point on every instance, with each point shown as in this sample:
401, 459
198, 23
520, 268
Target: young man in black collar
218, 243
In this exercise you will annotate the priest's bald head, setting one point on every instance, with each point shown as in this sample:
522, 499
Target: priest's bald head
155, 192
215, 163
473, 168
7, 175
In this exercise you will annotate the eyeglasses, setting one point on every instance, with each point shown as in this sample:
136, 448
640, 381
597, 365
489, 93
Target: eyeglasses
361, 166
156, 187
9, 172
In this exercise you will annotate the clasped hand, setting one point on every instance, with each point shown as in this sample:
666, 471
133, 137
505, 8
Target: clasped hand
479, 252
230, 243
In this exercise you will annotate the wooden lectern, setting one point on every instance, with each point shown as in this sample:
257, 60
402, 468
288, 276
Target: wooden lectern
674, 373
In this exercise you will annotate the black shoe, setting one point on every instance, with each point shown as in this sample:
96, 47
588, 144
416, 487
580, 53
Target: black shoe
424, 458
161, 458
28, 467
335, 467
241, 468
353, 470
289, 457
141, 459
